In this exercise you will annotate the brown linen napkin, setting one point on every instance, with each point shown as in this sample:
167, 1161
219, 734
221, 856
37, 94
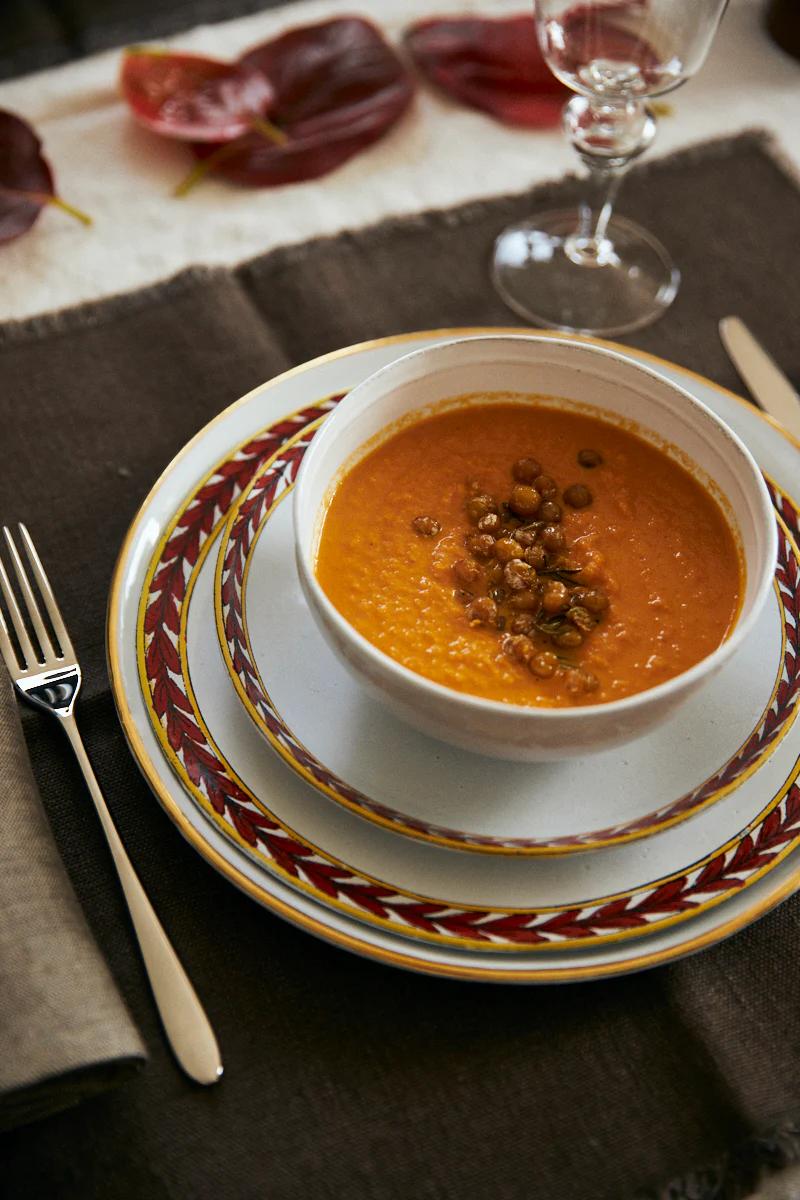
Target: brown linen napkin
65, 1032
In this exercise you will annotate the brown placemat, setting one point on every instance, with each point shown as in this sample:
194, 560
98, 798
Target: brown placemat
343, 1077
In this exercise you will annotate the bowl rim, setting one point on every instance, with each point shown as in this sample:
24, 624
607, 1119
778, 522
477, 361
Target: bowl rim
467, 701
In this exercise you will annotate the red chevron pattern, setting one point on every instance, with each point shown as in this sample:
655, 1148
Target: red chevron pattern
279, 849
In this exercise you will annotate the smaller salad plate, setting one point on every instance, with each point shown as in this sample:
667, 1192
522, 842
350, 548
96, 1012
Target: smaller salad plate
324, 726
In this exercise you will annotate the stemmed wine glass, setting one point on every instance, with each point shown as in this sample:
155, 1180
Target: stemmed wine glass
588, 270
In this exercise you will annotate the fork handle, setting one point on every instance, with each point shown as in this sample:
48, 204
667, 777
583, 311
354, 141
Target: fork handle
185, 1023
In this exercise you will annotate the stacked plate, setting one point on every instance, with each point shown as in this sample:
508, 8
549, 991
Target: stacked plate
290, 780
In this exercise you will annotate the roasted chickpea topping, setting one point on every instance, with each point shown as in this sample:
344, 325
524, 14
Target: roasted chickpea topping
581, 618
482, 611
491, 523
544, 665
536, 556
525, 470
479, 506
520, 647
573, 682
550, 511
545, 486
525, 601
507, 548
552, 538
426, 526
590, 682
494, 574
467, 571
519, 575
568, 638
592, 598
480, 544
555, 597
525, 500
519, 579
577, 495
578, 681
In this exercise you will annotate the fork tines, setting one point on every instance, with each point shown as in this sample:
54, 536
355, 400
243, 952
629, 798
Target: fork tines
35, 648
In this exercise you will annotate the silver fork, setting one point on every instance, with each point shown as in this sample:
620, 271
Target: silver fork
49, 677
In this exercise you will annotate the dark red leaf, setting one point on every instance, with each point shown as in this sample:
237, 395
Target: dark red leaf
339, 87
26, 180
193, 98
492, 65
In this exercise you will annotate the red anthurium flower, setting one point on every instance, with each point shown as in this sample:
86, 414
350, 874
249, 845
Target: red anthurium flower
494, 65
192, 98
26, 180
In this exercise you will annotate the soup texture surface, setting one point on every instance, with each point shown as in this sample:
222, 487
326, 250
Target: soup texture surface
530, 554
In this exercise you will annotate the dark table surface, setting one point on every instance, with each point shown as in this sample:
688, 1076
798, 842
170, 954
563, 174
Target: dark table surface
345, 1077
35, 34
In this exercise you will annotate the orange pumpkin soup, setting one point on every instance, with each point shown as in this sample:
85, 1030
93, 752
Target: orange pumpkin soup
530, 554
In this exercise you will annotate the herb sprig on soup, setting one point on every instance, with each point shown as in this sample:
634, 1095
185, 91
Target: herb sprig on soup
530, 554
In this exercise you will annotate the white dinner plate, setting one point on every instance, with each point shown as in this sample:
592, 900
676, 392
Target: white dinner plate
356, 882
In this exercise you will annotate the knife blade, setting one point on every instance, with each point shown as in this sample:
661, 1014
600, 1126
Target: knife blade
766, 381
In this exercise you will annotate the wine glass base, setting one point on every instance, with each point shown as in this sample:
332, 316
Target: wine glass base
540, 272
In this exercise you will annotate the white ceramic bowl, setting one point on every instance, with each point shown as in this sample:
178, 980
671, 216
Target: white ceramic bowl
575, 372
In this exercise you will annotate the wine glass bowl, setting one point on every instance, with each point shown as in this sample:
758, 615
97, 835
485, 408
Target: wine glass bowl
625, 48
587, 270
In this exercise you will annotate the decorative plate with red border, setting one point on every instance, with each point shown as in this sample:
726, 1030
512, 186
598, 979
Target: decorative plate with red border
252, 522
357, 883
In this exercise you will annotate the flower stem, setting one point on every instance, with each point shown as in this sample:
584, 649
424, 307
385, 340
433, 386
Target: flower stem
271, 132
264, 128
45, 198
202, 167
69, 209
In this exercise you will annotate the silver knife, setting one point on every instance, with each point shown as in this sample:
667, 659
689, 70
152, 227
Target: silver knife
763, 376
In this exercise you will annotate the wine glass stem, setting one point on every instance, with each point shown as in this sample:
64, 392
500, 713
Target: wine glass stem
589, 245
607, 135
